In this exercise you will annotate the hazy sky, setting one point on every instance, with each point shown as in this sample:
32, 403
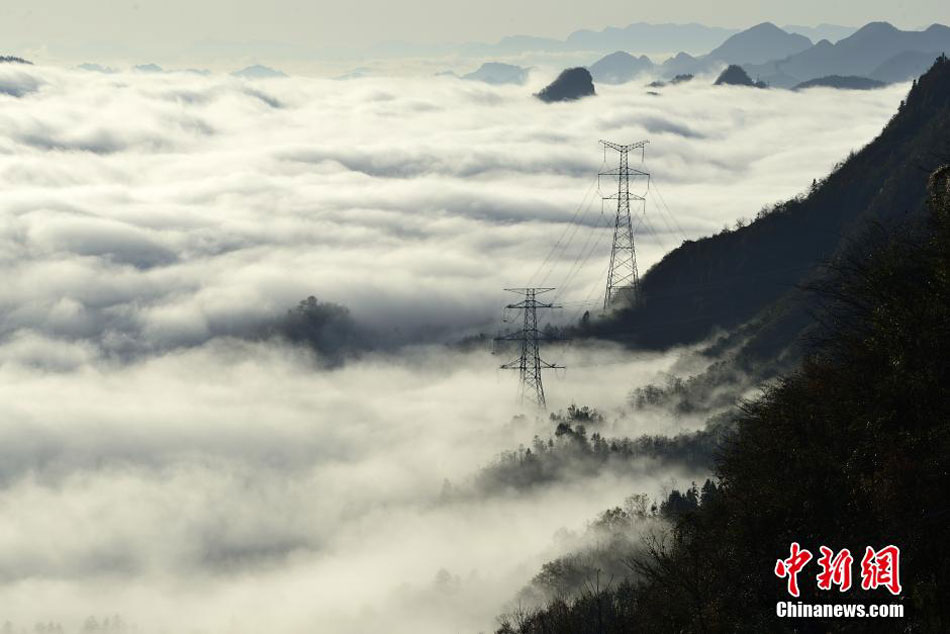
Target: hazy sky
140, 27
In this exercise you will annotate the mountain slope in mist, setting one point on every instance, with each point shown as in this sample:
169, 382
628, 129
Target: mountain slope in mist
750, 274
848, 452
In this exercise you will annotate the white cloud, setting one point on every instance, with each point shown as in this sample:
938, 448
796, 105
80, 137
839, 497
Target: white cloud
172, 486
151, 465
209, 196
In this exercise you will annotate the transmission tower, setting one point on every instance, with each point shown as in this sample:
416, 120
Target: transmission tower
623, 281
529, 363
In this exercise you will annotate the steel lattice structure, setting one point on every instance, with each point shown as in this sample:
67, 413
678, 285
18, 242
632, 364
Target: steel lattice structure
623, 280
529, 363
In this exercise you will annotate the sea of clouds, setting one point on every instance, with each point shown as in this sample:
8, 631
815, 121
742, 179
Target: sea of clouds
159, 461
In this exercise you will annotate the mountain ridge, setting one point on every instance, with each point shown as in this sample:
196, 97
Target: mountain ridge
859, 54
497, 73
619, 67
747, 281
758, 44
878, 51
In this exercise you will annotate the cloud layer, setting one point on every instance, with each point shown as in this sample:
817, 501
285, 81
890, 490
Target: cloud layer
155, 464
161, 210
233, 482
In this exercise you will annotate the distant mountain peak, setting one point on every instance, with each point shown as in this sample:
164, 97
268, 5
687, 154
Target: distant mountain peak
824, 31
758, 44
765, 26
97, 68
735, 75
877, 50
876, 28
619, 67
257, 71
570, 85
498, 73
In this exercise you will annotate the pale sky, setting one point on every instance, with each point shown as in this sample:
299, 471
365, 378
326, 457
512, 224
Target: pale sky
143, 28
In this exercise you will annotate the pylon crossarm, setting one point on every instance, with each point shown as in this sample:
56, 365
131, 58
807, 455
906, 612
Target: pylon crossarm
624, 148
535, 291
534, 303
625, 196
630, 171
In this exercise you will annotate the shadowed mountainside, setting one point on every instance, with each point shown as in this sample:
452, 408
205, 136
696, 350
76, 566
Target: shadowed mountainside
850, 451
748, 278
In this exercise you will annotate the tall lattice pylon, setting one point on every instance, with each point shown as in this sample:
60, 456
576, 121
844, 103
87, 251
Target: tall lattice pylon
529, 363
623, 280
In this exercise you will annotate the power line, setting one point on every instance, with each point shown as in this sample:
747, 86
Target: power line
576, 226
569, 231
668, 211
587, 250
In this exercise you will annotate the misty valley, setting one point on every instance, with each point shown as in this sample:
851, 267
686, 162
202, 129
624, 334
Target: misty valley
543, 348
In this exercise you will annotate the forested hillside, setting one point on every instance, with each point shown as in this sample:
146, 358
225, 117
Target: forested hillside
851, 449
751, 275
